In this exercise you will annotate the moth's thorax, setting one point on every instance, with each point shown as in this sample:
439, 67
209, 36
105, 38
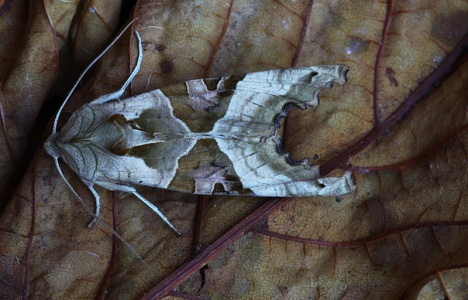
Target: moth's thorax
87, 133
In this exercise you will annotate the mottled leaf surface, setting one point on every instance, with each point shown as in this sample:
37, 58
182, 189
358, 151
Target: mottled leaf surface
399, 124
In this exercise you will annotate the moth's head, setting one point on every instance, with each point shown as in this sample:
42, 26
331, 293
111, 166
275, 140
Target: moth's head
50, 146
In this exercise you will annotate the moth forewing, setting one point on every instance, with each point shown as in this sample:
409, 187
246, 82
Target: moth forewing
204, 136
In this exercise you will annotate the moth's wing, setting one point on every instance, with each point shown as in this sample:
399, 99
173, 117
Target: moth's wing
243, 155
261, 96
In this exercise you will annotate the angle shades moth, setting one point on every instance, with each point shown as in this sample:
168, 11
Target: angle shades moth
204, 136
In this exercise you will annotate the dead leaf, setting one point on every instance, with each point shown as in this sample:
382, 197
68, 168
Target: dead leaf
400, 124
24, 84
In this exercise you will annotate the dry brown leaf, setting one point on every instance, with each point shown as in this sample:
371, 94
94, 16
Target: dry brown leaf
400, 124
98, 22
30, 67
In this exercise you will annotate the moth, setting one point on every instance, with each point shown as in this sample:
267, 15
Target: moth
204, 136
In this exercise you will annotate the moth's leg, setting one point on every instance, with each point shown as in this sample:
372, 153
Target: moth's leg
97, 200
123, 188
117, 94
156, 210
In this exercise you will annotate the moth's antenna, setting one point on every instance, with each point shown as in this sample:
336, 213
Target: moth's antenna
88, 209
54, 128
54, 131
